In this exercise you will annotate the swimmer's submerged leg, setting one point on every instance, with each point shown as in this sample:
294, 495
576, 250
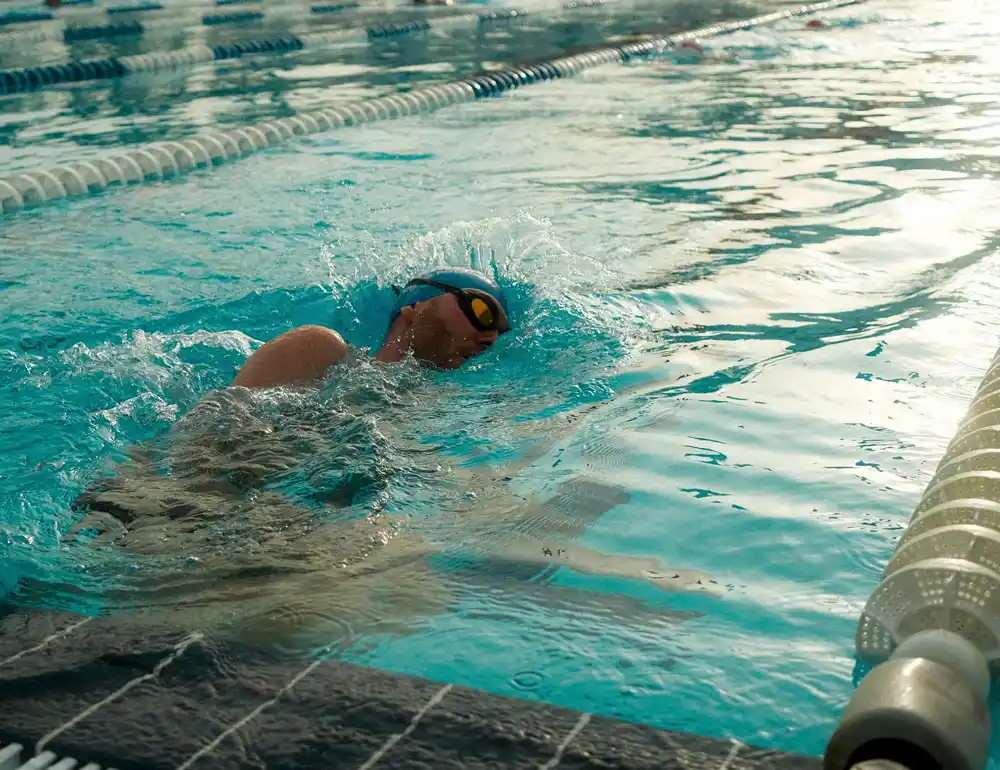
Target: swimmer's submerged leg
304, 597
579, 558
542, 534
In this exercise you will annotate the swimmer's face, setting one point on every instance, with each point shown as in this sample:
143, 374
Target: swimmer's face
442, 336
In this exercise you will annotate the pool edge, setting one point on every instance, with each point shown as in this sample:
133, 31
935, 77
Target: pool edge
108, 691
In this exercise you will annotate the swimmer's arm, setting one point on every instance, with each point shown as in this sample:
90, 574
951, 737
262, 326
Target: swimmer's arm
585, 560
297, 356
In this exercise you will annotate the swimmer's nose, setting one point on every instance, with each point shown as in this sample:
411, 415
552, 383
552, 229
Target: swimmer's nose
483, 342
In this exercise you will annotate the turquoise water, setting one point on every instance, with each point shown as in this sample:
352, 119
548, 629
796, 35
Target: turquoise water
771, 278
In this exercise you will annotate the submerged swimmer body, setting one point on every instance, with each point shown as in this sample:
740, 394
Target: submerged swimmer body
303, 575
227, 449
442, 319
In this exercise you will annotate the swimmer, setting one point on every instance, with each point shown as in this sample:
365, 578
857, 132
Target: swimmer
442, 319
692, 52
292, 571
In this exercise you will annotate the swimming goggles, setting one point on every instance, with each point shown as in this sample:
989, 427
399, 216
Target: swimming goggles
482, 309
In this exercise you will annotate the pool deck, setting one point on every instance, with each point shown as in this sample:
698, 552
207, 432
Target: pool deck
98, 691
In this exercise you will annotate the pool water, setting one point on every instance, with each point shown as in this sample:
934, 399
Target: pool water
752, 296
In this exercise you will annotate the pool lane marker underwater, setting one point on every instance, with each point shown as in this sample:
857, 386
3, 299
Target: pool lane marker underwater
10, 755
165, 160
34, 78
178, 650
42, 644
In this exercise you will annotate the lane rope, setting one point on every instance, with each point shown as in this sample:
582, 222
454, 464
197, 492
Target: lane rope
74, 33
16, 81
166, 160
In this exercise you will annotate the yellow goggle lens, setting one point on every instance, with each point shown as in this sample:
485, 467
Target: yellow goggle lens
482, 311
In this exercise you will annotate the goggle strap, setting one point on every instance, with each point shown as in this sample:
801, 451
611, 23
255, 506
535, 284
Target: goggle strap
492, 304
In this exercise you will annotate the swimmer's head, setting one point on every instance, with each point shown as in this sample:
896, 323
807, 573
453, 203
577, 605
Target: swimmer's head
446, 317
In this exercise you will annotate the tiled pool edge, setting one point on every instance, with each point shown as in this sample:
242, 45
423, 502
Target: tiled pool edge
108, 692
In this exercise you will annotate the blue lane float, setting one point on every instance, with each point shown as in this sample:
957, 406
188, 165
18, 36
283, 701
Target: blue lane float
23, 17
213, 19
122, 29
335, 8
119, 9
165, 160
392, 30
274, 45
33, 78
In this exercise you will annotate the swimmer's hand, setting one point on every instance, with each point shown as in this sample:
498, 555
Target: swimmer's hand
297, 357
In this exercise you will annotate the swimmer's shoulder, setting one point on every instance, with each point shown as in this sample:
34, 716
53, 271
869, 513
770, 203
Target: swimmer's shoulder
298, 356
